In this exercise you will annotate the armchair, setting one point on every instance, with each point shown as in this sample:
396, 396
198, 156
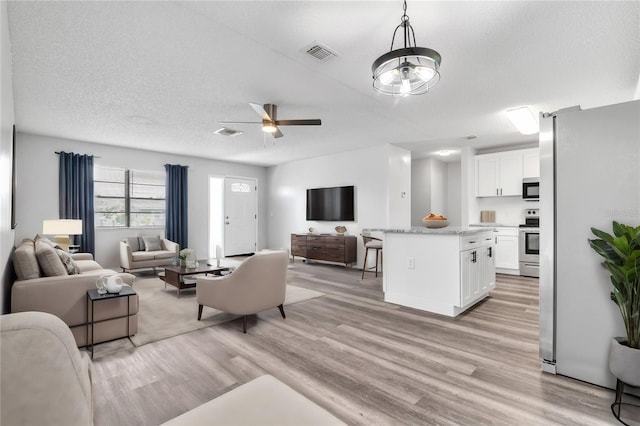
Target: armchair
257, 284
46, 380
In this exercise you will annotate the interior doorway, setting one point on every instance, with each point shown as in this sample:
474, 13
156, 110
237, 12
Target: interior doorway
233, 216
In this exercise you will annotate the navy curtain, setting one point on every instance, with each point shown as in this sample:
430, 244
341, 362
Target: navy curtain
176, 187
76, 196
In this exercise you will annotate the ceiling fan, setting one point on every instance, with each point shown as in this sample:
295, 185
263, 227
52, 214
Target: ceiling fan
270, 122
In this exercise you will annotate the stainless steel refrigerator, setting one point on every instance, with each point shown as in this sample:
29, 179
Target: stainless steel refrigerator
589, 176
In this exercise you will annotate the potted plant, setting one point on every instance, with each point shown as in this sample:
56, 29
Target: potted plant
621, 254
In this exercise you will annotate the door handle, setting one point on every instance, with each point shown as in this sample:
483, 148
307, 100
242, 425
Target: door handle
473, 258
490, 252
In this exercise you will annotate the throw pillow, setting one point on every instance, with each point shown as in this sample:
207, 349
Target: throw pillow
133, 243
25, 262
40, 238
152, 243
67, 261
49, 260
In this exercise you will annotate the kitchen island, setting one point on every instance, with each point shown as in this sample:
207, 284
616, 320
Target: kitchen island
445, 270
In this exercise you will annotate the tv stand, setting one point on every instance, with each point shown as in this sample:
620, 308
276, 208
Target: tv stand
327, 247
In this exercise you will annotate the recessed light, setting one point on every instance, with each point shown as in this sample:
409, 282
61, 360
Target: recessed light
470, 137
445, 152
524, 120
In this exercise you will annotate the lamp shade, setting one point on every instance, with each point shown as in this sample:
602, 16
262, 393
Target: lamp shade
62, 227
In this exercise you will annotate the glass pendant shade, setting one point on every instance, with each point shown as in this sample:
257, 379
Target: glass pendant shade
406, 71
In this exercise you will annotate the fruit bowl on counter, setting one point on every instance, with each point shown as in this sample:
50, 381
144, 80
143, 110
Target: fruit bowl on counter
435, 221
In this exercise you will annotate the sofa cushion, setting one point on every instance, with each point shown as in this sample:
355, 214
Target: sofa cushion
25, 262
142, 255
163, 254
49, 260
133, 243
87, 265
40, 238
69, 264
152, 243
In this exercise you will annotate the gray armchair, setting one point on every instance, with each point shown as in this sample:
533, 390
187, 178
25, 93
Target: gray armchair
259, 283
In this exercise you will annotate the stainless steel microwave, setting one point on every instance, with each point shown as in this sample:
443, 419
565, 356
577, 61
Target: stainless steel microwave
530, 188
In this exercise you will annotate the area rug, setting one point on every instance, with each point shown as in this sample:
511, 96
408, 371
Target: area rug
162, 314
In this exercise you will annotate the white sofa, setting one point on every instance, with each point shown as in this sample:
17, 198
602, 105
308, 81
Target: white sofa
46, 380
138, 252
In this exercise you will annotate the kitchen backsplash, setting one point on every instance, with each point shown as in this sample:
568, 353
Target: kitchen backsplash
509, 210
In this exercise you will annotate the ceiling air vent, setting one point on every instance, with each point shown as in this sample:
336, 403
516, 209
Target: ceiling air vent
320, 52
225, 131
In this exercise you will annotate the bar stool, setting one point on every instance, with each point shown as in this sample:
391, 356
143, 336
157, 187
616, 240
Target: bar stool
372, 243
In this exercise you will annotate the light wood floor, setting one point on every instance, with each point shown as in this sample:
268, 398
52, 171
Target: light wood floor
368, 362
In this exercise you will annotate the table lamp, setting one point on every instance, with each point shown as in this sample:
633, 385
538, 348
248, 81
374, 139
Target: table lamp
61, 229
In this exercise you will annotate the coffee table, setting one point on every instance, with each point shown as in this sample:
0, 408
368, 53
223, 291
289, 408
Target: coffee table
175, 275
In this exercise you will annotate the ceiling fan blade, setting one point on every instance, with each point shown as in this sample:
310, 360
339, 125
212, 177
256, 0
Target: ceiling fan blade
277, 134
309, 122
261, 111
239, 122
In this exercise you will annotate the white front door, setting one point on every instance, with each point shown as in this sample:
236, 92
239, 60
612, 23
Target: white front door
240, 216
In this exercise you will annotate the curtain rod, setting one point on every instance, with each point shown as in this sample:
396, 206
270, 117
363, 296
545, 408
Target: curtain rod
94, 156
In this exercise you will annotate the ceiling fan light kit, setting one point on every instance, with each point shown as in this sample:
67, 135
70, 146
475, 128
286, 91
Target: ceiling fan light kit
410, 70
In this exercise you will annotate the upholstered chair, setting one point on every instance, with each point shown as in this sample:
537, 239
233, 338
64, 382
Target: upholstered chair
45, 379
257, 284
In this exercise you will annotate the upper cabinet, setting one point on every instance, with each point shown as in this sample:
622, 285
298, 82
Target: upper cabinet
499, 174
531, 163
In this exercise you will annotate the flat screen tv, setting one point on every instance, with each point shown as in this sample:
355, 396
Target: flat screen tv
331, 204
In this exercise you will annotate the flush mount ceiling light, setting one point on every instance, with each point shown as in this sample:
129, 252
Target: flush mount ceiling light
524, 120
445, 152
410, 70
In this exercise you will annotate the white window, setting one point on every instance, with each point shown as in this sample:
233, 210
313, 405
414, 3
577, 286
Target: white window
128, 198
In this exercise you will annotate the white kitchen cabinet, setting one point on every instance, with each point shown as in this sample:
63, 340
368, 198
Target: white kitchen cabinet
531, 163
477, 270
499, 174
506, 240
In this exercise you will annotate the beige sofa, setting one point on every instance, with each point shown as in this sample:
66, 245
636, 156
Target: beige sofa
147, 252
45, 380
65, 295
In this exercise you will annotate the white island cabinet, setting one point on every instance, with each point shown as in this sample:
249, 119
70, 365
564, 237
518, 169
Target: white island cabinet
444, 271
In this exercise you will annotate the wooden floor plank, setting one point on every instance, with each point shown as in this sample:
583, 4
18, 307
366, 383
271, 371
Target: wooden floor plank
366, 361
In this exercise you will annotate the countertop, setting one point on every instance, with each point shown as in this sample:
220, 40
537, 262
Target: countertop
451, 230
493, 225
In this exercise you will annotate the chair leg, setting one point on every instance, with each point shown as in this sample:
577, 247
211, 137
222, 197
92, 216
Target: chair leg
199, 312
281, 307
377, 262
244, 324
364, 265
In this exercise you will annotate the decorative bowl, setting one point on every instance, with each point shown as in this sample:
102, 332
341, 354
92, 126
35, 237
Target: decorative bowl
341, 229
431, 223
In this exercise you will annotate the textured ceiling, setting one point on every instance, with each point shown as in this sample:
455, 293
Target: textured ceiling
162, 75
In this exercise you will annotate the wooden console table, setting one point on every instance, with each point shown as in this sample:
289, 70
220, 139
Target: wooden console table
327, 247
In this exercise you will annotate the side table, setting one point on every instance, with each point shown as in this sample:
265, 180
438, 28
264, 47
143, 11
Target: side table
93, 296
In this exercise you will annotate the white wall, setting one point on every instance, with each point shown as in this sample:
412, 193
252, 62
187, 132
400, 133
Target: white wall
454, 188
420, 190
6, 136
431, 190
439, 187
368, 170
37, 168
398, 187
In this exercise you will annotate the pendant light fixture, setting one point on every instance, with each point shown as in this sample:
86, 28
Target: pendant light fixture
410, 70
